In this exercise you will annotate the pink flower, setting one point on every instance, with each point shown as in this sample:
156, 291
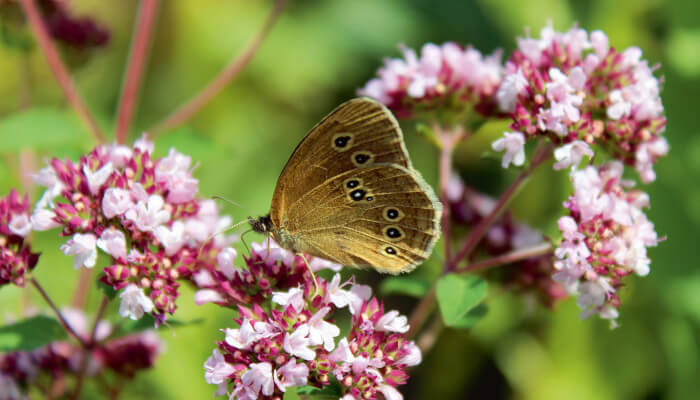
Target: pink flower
291, 374
82, 246
570, 155
514, 145
646, 156
390, 392
216, 369
134, 302
412, 357
113, 243
116, 202
259, 378
225, 260
250, 332
173, 172
143, 144
204, 296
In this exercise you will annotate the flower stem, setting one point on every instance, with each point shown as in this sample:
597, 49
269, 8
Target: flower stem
51, 304
87, 351
427, 339
134, 70
542, 153
81, 290
507, 258
59, 68
421, 313
228, 74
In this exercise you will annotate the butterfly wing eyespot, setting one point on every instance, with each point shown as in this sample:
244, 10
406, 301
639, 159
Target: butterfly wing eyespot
393, 214
393, 233
342, 141
352, 183
362, 158
389, 250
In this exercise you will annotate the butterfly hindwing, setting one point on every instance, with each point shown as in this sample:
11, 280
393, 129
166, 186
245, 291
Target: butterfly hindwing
357, 134
384, 216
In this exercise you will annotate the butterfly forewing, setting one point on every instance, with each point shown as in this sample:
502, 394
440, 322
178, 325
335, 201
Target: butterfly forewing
357, 134
384, 216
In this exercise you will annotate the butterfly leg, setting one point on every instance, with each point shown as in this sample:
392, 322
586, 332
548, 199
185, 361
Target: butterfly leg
313, 275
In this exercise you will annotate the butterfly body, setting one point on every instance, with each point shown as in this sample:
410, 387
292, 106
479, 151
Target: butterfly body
350, 195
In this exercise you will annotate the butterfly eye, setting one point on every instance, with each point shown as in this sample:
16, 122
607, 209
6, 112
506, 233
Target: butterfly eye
393, 233
357, 194
393, 214
360, 158
342, 141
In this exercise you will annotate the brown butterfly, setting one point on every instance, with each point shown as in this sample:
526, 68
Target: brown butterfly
350, 195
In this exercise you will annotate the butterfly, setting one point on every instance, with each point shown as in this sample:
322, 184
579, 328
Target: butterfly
349, 194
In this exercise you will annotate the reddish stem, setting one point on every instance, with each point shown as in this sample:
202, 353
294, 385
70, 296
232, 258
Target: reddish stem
542, 153
228, 74
81, 289
421, 313
88, 350
51, 304
507, 258
59, 68
134, 71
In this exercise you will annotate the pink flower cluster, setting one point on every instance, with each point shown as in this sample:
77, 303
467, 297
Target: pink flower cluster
531, 276
139, 210
16, 256
448, 77
23, 372
605, 238
577, 90
291, 339
268, 268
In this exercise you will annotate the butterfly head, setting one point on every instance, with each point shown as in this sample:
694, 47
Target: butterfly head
262, 224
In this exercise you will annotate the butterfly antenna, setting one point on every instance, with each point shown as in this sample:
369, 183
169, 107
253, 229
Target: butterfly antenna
234, 226
232, 202
313, 275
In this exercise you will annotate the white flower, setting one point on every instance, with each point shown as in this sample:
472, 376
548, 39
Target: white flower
618, 107
82, 246
172, 238
134, 302
390, 392
514, 145
96, 179
297, 343
338, 296
259, 378
645, 156
113, 243
43, 220
318, 264
413, 357
149, 215
225, 260
294, 297
392, 322
249, 332
204, 296
47, 177
116, 202
322, 332
570, 155
216, 369
143, 144
513, 85
291, 374
20, 225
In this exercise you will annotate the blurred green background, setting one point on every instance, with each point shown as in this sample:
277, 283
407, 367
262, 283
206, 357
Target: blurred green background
318, 54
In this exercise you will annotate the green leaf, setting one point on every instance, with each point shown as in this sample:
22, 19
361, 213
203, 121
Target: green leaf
471, 317
30, 334
403, 285
43, 127
107, 290
457, 295
291, 394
